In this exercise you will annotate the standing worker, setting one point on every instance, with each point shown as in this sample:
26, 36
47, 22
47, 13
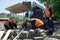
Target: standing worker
49, 18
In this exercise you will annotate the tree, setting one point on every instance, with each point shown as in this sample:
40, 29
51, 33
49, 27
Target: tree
55, 4
46, 1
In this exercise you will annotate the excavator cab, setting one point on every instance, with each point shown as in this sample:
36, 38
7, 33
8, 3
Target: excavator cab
35, 12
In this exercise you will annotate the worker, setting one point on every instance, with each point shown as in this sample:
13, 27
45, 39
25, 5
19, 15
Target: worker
49, 19
9, 24
36, 23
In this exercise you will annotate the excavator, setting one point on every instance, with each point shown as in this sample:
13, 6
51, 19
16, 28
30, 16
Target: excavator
35, 17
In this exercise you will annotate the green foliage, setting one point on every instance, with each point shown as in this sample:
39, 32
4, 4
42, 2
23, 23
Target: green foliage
22, 20
45, 1
57, 16
57, 9
10, 17
1, 16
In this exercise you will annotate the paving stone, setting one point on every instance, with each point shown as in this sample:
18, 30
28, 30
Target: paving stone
24, 35
53, 39
31, 34
31, 30
38, 38
27, 39
39, 32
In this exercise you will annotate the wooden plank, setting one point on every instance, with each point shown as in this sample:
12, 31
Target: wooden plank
7, 35
1, 34
18, 35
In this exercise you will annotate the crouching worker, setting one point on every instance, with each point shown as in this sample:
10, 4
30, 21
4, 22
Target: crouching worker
9, 25
35, 23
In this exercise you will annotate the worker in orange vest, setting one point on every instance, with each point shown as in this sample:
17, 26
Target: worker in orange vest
49, 18
8, 25
49, 12
36, 23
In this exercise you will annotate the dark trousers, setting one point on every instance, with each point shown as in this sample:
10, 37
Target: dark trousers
50, 27
10, 25
24, 25
15, 25
33, 24
6, 27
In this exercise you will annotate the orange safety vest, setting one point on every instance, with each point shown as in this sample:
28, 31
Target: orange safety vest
38, 23
11, 21
47, 13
